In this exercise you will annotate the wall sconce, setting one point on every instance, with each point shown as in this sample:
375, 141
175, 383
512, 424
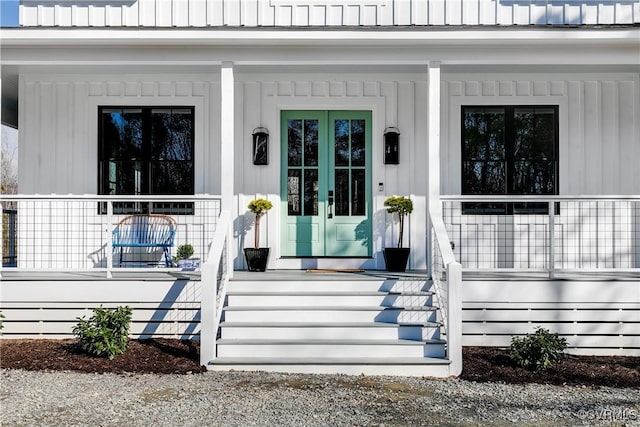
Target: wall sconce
391, 146
260, 146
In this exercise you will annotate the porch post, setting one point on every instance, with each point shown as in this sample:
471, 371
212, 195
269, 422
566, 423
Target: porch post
433, 121
227, 140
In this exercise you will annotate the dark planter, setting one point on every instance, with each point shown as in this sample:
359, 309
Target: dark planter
396, 258
256, 258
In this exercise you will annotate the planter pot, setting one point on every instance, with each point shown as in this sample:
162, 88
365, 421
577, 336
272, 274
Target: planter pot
396, 258
189, 263
256, 258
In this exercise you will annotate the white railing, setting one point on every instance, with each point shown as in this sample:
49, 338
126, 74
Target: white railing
216, 272
446, 274
549, 234
74, 232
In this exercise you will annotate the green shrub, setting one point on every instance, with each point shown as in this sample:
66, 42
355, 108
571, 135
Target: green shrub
184, 251
106, 333
1, 321
539, 350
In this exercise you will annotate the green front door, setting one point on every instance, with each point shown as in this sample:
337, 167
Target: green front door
326, 183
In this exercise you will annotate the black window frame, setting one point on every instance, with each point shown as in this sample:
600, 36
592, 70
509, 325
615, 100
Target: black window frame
167, 208
511, 208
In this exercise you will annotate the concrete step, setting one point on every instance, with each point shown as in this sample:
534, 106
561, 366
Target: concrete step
342, 314
326, 298
338, 331
404, 366
333, 348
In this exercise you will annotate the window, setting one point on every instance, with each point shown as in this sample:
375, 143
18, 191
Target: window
509, 150
146, 151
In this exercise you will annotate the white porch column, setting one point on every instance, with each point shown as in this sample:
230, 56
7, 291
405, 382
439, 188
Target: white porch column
227, 141
226, 135
433, 121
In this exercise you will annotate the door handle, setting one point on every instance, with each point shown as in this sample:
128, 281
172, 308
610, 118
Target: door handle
330, 200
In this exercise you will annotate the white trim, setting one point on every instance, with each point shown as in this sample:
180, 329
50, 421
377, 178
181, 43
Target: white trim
92, 37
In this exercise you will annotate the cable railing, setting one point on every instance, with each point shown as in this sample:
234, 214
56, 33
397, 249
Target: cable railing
549, 234
215, 274
446, 275
76, 232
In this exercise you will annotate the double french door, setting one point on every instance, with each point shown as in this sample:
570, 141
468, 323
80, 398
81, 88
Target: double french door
326, 183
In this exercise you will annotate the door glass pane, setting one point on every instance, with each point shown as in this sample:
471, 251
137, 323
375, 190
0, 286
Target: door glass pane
357, 190
311, 192
357, 143
342, 192
342, 142
293, 191
172, 177
294, 142
311, 143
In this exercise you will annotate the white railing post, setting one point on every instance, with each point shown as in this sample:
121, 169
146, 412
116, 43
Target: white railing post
454, 321
552, 239
209, 314
109, 231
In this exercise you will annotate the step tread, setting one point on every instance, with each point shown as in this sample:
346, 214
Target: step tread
329, 361
326, 325
328, 308
400, 342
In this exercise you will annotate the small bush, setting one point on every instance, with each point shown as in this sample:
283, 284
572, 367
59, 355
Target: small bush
539, 350
1, 321
184, 251
106, 333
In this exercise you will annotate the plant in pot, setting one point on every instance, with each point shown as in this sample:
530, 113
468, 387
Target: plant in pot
183, 257
396, 258
257, 257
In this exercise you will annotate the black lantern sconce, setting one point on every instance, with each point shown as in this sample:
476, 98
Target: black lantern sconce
391, 146
260, 146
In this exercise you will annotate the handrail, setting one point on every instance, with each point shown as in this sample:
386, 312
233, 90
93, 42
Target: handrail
540, 198
214, 288
448, 289
104, 198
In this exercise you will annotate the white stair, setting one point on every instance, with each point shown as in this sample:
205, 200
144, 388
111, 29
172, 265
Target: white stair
369, 323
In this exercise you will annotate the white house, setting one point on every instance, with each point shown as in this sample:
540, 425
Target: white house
513, 125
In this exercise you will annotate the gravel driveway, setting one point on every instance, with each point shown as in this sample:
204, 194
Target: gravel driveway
266, 399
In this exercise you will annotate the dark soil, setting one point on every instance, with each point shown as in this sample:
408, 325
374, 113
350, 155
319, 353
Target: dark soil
167, 356
483, 364
156, 356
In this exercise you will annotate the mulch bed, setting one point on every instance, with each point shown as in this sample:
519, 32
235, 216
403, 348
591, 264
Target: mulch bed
484, 364
169, 356
157, 356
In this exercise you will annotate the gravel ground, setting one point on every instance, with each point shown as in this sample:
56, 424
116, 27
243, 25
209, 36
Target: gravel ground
267, 399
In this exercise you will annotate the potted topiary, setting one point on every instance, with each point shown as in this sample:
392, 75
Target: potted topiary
183, 257
396, 258
257, 257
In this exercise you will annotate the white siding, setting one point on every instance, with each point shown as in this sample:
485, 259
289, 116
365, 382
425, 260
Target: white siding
59, 116
34, 309
287, 13
599, 138
595, 317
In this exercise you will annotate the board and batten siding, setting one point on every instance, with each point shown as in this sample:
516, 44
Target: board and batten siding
305, 13
59, 125
599, 141
161, 308
398, 100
